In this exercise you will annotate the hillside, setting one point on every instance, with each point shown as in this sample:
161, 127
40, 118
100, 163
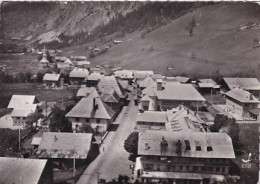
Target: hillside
219, 43
46, 21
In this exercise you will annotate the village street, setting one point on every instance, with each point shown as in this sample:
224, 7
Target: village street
114, 159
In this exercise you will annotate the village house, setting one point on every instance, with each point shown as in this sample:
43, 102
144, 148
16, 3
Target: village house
25, 171
22, 105
85, 91
145, 83
93, 79
194, 157
171, 95
127, 75
240, 101
64, 68
109, 82
91, 111
112, 100
51, 80
63, 148
250, 84
176, 119
78, 75
83, 64
19, 115
182, 79
207, 86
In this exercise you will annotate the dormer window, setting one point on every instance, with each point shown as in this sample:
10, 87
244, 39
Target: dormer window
198, 148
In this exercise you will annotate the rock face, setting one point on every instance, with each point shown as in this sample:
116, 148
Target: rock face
45, 21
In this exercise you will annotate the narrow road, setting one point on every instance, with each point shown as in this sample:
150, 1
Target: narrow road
114, 159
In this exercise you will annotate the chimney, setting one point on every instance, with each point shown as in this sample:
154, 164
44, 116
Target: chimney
178, 148
95, 106
159, 84
251, 96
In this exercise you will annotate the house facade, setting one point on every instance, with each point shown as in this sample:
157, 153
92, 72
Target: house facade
51, 80
240, 101
91, 111
184, 158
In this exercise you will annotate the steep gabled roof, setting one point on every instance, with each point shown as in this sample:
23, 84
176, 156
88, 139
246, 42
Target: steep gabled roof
110, 82
152, 116
21, 170
85, 91
18, 101
95, 76
179, 92
242, 96
85, 109
64, 145
245, 83
146, 82
24, 111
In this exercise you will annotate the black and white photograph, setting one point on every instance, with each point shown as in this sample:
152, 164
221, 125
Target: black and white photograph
129, 92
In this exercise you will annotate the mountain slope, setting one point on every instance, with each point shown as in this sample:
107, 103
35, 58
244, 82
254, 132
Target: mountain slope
219, 43
45, 21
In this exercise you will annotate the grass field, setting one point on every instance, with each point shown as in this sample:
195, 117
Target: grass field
216, 44
249, 137
7, 90
15, 63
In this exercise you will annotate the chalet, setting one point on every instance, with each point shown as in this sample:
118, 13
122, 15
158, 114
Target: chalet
51, 80
91, 111
112, 99
22, 105
63, 148
194, 157
18, 101
250, 84
25, 171
240, 101
83, 64
127, 75
93, 79
85, 91
78, 75
19, 115
64, 68
171, 95
207, 86
110, 82
176, 119
183, 80
146, 82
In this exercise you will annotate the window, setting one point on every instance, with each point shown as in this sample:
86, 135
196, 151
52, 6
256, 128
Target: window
87, 120
158, 167
98, 120
209, 148
77, 119
149, 166
181, 167
187, 168
217, 169
198, 148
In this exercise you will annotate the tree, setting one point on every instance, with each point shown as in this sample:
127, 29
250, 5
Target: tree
32, 118
131, 143
58, 122
223, 123
39, 77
